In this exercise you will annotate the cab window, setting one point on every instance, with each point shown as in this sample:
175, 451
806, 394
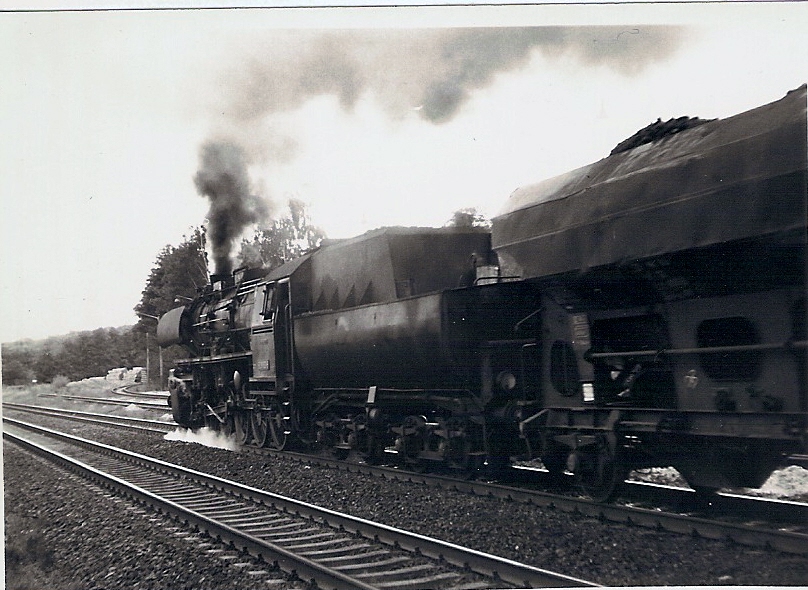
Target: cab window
268, 305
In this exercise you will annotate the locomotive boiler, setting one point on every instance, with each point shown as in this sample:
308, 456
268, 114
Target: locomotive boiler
646, 310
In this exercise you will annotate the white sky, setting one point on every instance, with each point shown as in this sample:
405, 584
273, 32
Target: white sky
102, 115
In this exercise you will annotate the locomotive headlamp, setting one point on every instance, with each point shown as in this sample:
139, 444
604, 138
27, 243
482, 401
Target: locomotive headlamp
506, 381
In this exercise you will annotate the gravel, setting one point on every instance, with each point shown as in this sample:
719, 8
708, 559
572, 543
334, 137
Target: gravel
605, 553
64, 533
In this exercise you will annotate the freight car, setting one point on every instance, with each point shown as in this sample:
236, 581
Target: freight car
646, 310
677, 281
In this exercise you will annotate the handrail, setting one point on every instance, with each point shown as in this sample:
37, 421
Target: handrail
788, 345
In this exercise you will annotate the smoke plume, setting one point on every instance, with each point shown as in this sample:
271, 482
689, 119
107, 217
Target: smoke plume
430, 72
435, 71
223, 178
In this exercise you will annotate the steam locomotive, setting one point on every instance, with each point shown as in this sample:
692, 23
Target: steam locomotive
646, 310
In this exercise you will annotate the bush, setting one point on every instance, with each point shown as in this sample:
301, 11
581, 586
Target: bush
60, 381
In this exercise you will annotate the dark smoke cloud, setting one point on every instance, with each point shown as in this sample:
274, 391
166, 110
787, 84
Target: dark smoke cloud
432, 72
435, 71
222, 178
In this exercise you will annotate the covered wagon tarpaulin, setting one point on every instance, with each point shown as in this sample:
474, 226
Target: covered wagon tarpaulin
727, 180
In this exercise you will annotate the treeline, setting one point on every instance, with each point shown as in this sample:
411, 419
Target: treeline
81, 355
75, 356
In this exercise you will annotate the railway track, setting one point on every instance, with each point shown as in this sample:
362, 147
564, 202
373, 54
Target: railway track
95, 418
756, 522
129, 390
331, 549
159, 406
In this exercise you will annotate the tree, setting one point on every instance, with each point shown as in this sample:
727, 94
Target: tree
178, 273
286, 239
15, 370
49, 364
468, 217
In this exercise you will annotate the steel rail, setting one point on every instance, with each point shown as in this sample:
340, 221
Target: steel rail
285, 560
693, 520
126, 390
499, 571
95, 418
683, 521
118, 402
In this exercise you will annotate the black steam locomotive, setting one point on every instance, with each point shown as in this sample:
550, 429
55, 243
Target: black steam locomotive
646, 310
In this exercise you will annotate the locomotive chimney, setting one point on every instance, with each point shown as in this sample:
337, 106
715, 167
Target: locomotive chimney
221, 281
223, 179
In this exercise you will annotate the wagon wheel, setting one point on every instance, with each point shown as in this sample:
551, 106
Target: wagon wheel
327, 433
260, 427
241, 427
340, 453
469, 466
602, 471
555, 462
410, 443
459, 449
277, 426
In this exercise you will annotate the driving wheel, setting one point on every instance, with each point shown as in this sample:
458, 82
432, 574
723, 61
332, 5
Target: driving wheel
260, 427
241, 427
277, 426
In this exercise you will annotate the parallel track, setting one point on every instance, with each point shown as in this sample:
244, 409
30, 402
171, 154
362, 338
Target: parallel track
777, 524
107, 401
129, 390
95, 418
334, 550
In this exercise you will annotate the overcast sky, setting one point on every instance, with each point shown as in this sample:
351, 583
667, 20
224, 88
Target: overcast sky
370, 117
